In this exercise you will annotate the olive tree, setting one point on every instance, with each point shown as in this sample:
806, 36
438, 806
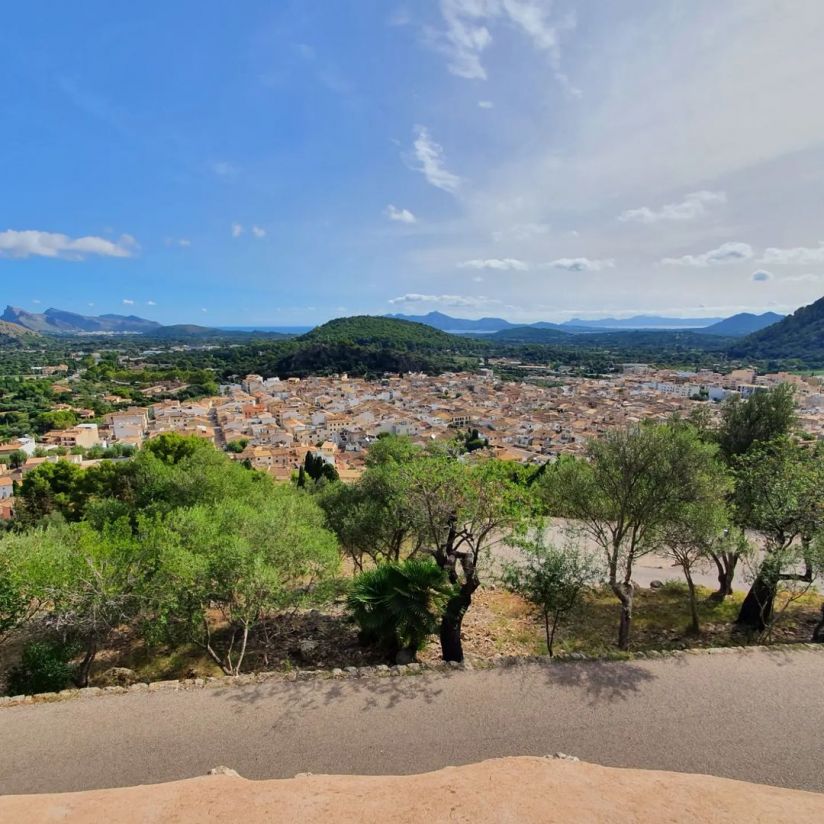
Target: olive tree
552, 579
459, 511
633, 483
239, 561
779, 493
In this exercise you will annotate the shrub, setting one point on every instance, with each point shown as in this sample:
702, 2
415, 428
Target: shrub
398, 604
44, 667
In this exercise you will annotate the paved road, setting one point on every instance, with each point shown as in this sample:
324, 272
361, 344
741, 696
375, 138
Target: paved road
752, 715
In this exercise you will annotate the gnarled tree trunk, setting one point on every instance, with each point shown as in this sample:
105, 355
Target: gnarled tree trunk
624, 592
725, 563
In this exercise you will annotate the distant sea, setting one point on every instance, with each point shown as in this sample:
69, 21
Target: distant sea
286, 330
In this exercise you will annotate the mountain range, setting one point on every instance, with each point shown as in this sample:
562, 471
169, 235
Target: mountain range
734, 326
60, 322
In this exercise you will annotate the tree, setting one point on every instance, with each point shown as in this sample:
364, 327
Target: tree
699, 532
399, 603
458, 511
237, 446
779, 493
244, 559
634, 482
551, 579
766, 415
372, 518
88, 582
316, 468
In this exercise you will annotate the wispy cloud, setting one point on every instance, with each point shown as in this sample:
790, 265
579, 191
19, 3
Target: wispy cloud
127, 302
466, 34
32, 243
694, 205
521, 231
237, 230
495, 263
258, 232
486, 104
400, 215
444, 300
430, 159
733, 252
151, 303
797, 255
580, 264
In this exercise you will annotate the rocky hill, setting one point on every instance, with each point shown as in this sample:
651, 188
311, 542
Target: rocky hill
60, 322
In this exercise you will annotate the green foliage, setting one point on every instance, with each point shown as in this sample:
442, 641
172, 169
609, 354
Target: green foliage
798, 337
398, 604
551, 579
242, 558
636, 482
237, 446
57, 419
761, 418
316, 468
44, 667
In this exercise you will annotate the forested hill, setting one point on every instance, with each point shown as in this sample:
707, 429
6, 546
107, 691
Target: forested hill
799, 336
367, 330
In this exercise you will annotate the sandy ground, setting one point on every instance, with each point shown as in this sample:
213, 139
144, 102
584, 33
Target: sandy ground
520, 790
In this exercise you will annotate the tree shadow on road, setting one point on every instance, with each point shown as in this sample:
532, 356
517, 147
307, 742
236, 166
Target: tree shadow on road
601, 681
300, 698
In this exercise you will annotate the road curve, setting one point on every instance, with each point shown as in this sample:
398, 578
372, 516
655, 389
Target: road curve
755, 715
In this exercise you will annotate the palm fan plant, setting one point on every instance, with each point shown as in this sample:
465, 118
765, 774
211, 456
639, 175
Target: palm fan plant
399, 603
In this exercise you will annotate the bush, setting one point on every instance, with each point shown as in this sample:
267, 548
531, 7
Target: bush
398, 604
44, 667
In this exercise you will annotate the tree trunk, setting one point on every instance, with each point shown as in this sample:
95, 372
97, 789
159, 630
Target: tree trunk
624, 593
695, 627
456, 607
550, 632
757, 609
85, 668
725, 563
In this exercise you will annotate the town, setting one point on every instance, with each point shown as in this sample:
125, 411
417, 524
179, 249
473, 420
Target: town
272, 424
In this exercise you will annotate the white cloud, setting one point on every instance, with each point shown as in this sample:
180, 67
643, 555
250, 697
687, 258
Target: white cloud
204, 309
429, 155
732, 252
151, 303
400, 215
798, 255
521, 231
443, 300
35, 300
237, 230
127, 301
580, 264
466, 35
694, 205
258, 232
495, 263
183, 242
28, 243
762, 276
808, 277
486, 104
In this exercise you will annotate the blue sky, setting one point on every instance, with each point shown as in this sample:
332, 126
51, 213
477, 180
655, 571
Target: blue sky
283, 163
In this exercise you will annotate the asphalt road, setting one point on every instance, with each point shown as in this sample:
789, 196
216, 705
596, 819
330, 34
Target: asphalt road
752, 715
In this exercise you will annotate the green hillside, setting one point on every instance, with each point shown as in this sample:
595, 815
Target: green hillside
799, 337
368, 330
